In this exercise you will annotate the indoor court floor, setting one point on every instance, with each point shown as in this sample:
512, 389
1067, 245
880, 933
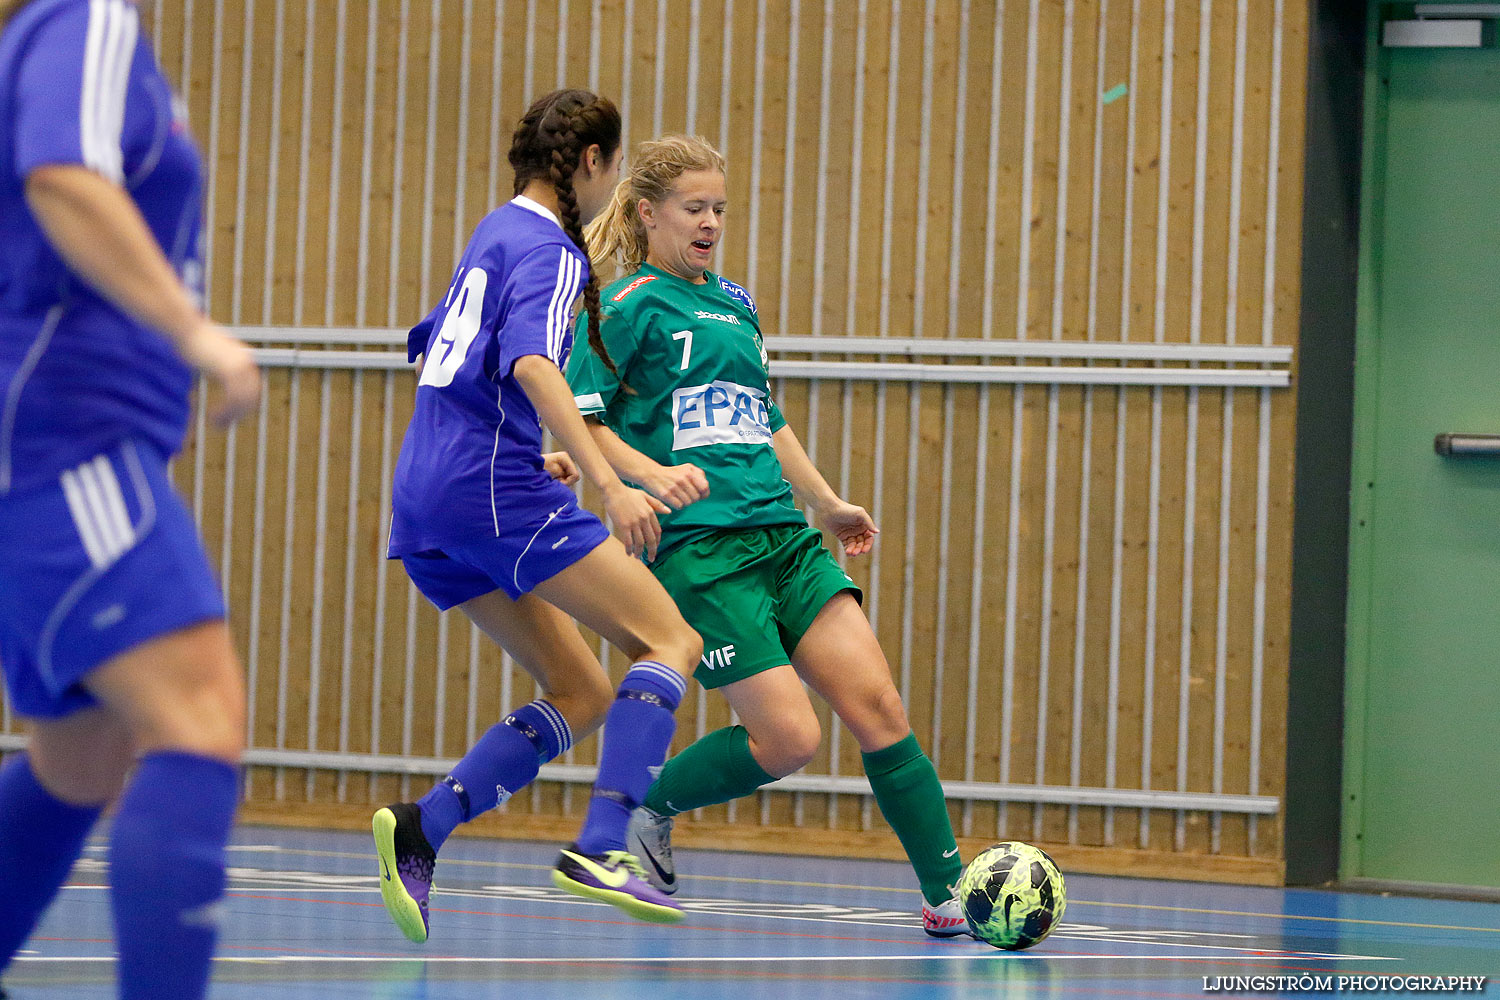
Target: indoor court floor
303, 919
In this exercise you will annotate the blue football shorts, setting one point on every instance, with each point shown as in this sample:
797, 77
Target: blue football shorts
101, 560
530, 548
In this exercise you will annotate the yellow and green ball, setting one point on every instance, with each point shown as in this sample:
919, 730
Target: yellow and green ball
1013, 895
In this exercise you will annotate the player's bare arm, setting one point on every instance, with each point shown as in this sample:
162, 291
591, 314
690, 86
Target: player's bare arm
675, 485
99, 232
560, 466
849, 523
632, 512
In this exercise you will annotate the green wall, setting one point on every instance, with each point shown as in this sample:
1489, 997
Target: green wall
1422, 757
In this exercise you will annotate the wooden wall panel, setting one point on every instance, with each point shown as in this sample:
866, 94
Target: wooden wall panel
1074, 585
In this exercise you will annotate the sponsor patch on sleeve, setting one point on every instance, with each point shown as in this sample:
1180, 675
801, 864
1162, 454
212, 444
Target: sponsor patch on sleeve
736, 292
637, 283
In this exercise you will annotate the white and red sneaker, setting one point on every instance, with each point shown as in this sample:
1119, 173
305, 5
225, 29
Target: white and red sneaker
944, 920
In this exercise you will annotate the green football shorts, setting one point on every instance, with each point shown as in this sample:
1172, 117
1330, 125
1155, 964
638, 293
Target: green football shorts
752, 595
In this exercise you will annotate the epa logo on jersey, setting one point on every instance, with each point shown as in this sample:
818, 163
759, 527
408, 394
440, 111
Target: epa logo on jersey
719, 413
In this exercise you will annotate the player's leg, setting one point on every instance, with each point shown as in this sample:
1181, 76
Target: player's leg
777, 735
182, 697
724, 585
576, 694
618, 598
840, 658
108, 601
50, 797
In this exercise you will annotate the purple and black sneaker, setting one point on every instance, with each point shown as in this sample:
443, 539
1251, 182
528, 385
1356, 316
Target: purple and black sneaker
406, 862
616, 878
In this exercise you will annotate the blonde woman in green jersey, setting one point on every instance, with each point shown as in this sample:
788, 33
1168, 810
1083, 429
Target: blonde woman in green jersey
689, 417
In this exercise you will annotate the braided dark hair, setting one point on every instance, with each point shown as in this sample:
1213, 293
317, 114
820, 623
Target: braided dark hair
548, 144
9, 9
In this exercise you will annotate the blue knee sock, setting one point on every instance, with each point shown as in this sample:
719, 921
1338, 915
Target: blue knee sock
40, 838
166, 859
637, 735
504, 761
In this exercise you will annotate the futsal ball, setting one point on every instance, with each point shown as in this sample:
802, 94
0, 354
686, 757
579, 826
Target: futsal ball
1012, 895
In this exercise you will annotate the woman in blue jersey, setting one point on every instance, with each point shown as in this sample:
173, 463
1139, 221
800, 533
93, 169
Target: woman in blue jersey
700, 428
482, 523
112, 632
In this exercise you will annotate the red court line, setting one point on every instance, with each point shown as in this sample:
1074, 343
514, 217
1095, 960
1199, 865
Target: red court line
586, 920
1030, 956
268, 948
937, 945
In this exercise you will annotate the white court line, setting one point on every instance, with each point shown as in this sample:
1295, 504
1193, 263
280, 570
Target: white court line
747, 880
711, 907
988, 956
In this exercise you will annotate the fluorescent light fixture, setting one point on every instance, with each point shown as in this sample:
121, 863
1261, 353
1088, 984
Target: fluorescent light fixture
1433, 34
1458, 10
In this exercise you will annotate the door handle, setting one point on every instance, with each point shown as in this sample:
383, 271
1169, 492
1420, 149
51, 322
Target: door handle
1467, 444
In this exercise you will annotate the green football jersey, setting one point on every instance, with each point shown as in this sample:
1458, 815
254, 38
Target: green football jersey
695, 363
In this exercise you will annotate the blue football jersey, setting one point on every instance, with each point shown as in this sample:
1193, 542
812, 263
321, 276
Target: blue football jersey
80, 86
472, 456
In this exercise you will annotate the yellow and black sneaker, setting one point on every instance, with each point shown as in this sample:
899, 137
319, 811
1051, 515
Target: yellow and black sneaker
617, 879
406, 863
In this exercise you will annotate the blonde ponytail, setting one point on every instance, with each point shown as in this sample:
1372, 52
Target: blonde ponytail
617, 233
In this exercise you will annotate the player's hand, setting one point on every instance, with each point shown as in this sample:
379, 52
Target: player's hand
851, 525
228, 364
632, 514
677, 485
560, 466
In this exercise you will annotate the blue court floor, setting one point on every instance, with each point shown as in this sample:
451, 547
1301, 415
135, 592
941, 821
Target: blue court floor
303, 920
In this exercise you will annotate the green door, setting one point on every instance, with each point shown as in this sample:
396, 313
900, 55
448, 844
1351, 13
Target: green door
1422, 738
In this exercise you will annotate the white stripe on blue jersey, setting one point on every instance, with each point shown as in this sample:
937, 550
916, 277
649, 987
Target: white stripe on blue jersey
93, 495
109, 49
565, 314
117, 80
560, 312
83, 520
96, 490
97, 505
88, 111
557, 289
114, 513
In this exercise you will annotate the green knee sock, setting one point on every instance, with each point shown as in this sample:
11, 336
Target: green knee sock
715, 769
910, 797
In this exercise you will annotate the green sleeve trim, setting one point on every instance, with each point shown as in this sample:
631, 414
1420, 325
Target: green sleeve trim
777, 420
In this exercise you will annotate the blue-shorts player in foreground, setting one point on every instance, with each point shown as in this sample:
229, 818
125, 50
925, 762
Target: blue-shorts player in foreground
482, 523
700, 430
112, 632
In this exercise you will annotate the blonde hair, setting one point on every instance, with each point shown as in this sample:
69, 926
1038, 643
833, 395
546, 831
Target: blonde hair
617, 232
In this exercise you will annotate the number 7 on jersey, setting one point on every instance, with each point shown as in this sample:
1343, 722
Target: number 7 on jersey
686, 336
